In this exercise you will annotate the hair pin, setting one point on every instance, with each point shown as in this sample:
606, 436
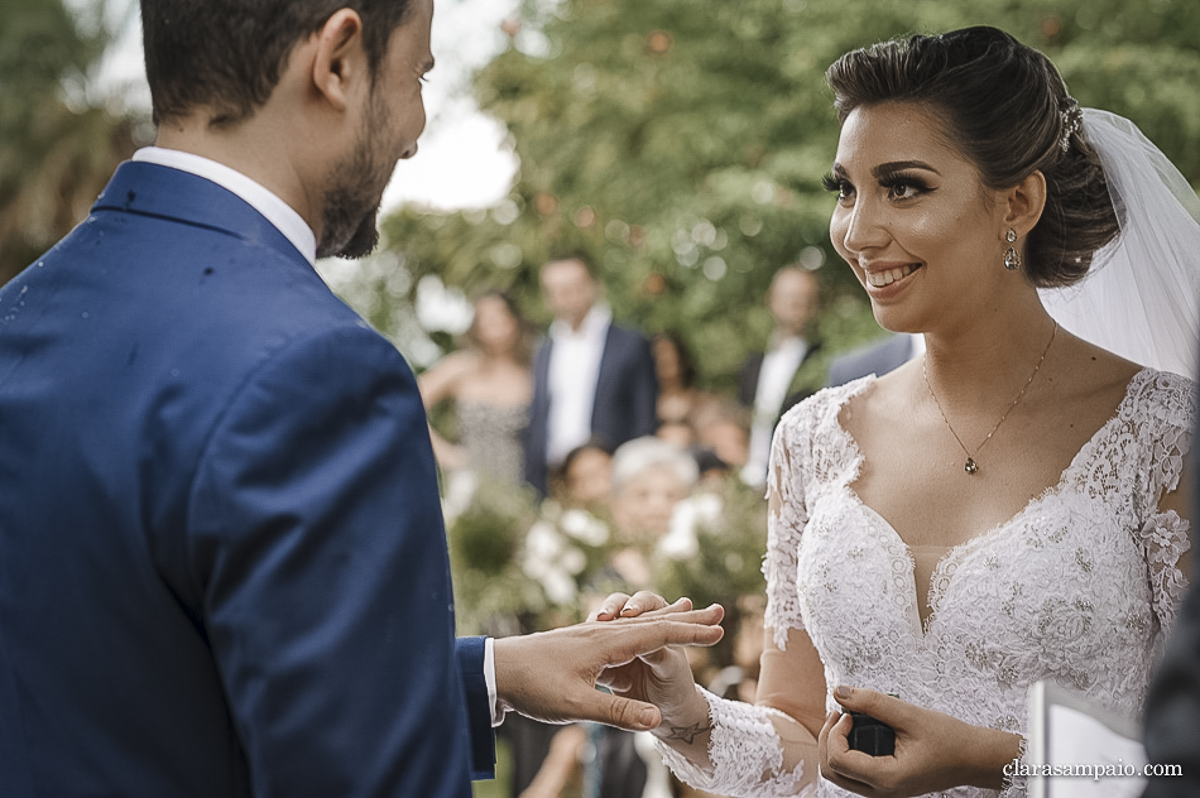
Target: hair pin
1072, 120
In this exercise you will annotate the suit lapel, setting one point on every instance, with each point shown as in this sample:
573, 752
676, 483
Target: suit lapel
802, 378
609, 356
541, 375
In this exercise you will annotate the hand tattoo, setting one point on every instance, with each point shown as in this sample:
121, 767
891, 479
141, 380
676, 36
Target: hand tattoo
687, 734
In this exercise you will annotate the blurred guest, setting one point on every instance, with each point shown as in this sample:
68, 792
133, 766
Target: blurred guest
876, 358
678, 433
722, 429
546, 758
713, 471
586, 476
560, 769
491, 386
591, 377
771, 382
678, 397
598, 762
650, 477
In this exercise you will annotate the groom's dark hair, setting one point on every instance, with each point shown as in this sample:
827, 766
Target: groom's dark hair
227, 55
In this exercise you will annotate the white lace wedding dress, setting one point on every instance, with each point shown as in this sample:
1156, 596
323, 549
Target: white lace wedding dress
1080, 587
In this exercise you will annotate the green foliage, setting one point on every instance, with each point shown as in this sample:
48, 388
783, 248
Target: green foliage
57, 147
728, 562
523, 566
485, 540
680, 145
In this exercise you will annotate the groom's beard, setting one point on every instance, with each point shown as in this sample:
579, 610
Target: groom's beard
355, 191
362, 240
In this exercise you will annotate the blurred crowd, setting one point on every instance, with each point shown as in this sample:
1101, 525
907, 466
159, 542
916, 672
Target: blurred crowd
586, 460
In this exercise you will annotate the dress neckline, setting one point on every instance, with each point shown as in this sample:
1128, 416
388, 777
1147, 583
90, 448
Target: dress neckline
956, 553
499, 407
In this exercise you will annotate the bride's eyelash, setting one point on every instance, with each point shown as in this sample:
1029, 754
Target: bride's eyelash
904, 180
916, 185
831, 183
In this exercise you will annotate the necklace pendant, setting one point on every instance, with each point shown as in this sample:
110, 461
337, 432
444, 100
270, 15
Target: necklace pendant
971, 467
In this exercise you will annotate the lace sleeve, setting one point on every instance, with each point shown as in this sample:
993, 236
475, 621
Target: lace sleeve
745, 752
1164, 535
786, 519
747, 756
1165, 539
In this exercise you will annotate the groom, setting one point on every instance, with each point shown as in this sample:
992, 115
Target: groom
222, 565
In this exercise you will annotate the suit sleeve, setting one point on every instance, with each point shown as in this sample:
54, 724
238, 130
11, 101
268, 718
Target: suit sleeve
469, 652
645, 390
837, 372
316, 538
1172, 713
537, 433
748, 380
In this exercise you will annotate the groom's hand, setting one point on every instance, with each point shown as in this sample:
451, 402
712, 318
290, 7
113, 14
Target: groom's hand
551, 676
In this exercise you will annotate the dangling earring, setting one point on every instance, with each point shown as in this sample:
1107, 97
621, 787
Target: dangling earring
1012, 258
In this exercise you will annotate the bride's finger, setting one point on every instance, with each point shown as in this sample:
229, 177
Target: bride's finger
644, 601
609, 608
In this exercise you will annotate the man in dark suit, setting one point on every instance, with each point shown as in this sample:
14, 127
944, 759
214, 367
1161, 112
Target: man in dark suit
877, 358
791, 368
592, 379
222, 565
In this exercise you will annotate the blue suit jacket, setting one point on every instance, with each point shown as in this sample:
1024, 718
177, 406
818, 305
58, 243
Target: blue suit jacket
222, 563
625, 405
877, 358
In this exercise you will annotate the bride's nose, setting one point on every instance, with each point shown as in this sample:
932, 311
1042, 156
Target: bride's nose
863, 226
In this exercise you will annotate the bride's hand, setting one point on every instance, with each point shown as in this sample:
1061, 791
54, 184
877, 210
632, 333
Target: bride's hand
934, 751
663, 678
622, 605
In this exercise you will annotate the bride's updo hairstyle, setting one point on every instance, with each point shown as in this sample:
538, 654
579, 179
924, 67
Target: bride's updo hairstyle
1006, 108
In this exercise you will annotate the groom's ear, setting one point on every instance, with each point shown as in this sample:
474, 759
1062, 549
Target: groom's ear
339, 70
1025, 203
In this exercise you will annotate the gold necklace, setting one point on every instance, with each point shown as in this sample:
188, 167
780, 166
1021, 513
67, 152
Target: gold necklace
971, 467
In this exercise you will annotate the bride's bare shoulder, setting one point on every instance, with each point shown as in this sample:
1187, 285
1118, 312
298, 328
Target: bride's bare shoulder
1092, 373
886, 393
880, 400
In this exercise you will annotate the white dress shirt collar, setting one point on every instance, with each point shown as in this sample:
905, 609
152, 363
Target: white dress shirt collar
277, 212
594, 324
572, 377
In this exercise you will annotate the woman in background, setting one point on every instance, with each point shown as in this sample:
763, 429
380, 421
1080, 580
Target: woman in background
491, 386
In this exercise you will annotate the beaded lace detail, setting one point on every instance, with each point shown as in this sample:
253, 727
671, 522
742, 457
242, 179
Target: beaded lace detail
745, 752
1080, 587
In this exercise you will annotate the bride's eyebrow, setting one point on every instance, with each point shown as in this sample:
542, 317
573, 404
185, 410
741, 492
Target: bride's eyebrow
888, 170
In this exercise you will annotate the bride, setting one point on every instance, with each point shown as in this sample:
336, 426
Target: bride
1007, 509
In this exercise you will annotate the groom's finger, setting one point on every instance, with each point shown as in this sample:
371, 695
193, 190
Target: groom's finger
681, 611
624, 713
621, 642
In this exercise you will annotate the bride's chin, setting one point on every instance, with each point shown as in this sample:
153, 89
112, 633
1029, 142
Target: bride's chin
895, 320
